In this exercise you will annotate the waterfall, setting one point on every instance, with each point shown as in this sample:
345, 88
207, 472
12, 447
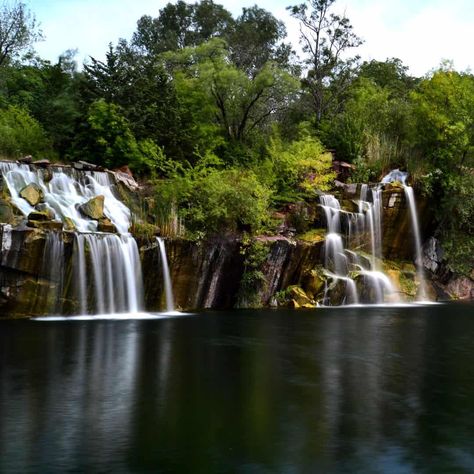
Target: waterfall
107, 270
166, 276
335, 260
108, 274
410, 197
340, 261
401, 177
64, 192
53, 270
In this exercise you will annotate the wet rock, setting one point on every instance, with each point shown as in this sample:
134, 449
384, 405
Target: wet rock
43, 207
42, 163
39, 216
294, 304
105, 225
46, 225
295, 293
32, 193
47, 174
93, 208
313, 283
432, 255
85, 166
461, 288
124, 176
26, 160
6, 212
69, 224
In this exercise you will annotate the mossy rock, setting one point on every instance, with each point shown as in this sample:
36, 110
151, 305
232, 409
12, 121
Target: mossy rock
46, 209
105, 225
297, 294
39, 216
313, 235
313, 282
46, 225
6, 212
32, 193
93, 208
69, 224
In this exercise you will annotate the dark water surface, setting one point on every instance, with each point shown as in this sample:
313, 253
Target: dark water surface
340, 390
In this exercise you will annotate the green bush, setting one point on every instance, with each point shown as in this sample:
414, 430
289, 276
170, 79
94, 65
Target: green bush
211, 200
297, 169
21, 134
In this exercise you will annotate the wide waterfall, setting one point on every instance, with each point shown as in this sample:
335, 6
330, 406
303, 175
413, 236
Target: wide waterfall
64, 191
108, 270
106, 275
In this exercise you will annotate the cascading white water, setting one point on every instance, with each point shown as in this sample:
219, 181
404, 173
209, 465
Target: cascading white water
108, 264
108, 275
336, 262
64, 193
53, 268
166, 276
339, 261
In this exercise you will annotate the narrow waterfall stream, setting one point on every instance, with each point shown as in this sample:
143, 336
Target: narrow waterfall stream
401, 177
166, 276
410, 197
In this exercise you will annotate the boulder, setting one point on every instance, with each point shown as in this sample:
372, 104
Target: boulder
32, 193
93, 208
42, 163
42, 207
47, 174
84, 165
6, 212
297, 294
105, 225
313, 283
26, 159
39, 216
46, 225
69, 224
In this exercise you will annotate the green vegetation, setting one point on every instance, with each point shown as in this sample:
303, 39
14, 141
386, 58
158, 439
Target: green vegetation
219, 116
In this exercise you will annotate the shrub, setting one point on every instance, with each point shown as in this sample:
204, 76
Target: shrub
21, 134
213, 201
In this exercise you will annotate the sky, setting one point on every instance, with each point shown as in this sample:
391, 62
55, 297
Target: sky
422, 33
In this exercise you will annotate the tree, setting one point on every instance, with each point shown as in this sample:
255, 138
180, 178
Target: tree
256, 39
18, 31
444, 139
21, 134
219, 92
325, 37
390, 74
181, 25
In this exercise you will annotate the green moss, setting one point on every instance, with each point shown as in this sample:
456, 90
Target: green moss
313, 235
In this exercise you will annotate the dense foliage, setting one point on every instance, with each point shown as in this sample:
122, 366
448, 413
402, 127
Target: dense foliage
228, 123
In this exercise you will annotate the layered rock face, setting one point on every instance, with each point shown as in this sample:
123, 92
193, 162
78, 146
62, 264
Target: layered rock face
40, 263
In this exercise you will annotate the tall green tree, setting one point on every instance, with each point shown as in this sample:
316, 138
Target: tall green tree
326, 38
18, 31
181, 25
257, 38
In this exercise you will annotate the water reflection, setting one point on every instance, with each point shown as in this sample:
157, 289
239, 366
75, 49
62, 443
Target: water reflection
358, 390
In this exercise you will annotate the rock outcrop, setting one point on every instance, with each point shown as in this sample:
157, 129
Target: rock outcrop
32, 193
93, 208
